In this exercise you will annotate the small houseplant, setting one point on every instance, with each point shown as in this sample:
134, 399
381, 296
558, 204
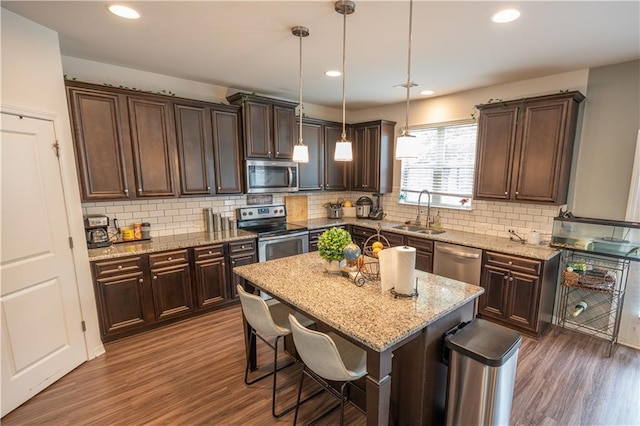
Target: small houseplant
331, 245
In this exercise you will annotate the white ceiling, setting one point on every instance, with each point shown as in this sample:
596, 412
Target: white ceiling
248, 45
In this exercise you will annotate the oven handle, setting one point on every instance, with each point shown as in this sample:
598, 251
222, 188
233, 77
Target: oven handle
281, 237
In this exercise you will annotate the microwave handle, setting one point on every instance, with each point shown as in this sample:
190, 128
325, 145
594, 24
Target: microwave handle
290, 170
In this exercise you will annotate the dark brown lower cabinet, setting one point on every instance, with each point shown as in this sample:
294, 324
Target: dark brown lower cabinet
240, 253
519, 292
315, 234
137, 293
424, 252
210, 275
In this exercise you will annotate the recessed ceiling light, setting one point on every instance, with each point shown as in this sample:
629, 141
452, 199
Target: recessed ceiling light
332, 73
427, 92
123, 11
506, 15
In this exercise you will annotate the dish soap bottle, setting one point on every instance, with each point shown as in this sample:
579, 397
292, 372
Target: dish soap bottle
437, 222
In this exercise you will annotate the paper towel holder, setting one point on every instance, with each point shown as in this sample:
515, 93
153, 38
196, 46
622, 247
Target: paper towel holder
414, 293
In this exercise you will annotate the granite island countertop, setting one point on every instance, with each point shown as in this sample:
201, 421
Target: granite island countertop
366, 314
485, 242
171, 242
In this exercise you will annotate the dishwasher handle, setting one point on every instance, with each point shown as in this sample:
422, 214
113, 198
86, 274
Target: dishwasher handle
458, 253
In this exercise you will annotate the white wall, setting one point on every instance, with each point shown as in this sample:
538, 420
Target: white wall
32, 81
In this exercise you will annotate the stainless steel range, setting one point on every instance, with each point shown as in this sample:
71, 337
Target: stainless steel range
276, 237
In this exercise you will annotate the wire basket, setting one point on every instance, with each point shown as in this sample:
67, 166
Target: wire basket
369, 270
597, 280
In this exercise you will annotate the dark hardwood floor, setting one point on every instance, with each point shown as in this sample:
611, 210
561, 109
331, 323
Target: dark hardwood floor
191, 373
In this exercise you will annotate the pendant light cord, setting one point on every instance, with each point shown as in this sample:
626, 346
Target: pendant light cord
406, 125
344, 67
300, 139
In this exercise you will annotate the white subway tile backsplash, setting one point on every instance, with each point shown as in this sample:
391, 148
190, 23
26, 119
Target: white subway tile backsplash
96, 210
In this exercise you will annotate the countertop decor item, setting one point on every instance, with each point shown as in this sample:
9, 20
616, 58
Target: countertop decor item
331, 246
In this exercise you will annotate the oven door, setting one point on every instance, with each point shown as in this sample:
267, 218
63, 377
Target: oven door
278, 246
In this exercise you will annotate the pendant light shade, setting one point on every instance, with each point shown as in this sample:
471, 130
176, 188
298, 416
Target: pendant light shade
406, 146
300, 150
344, 150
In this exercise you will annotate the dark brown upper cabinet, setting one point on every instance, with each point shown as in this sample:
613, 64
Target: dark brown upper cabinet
131, 144
268, 124
321, 172
225, 128
372, 167
525, 147
101, 144
195, 161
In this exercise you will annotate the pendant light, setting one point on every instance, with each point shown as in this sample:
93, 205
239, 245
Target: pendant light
300, 150
344, 151
406, 146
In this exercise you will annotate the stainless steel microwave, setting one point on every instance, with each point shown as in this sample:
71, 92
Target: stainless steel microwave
271, 176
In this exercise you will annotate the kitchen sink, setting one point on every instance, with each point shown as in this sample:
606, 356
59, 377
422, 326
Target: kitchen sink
432, 231
411, 228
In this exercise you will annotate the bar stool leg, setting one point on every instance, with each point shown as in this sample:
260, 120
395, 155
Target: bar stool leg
295, 417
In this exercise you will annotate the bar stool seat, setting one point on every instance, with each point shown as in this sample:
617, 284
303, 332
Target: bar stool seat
327, 357
268, 319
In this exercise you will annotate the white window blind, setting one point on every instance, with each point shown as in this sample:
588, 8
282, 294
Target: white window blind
445, 167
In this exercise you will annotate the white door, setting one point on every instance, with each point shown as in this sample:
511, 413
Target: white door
42, 337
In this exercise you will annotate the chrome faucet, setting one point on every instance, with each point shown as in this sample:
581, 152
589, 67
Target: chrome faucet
428, 208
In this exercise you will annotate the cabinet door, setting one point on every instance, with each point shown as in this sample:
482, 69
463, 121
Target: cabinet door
424, 253
495, 153
494, 300
257, 129
211, 282
537, 172
99, 140
284, 132
122, 303
335, 172
153, 149
227, 152
359, 165
522, 304
311, 174
171, 289
239, 260
194, 152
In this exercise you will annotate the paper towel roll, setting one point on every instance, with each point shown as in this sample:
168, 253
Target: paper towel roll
405, 266
386, 259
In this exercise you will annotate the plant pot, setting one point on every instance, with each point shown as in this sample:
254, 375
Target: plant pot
334, 266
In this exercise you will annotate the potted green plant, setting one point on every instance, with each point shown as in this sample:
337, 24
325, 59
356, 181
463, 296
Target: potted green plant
330, 247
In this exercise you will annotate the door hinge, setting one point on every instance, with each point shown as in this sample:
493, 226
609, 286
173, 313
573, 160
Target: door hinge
71, 242
84, 325
56, 148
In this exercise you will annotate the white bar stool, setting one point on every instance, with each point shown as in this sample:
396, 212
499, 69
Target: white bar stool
327, 357
268, 320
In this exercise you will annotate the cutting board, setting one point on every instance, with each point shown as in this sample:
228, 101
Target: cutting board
296, 206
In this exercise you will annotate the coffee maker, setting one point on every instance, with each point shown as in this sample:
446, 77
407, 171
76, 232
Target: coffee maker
96, 229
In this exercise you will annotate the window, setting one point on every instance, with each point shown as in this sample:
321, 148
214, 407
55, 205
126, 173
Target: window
445, 168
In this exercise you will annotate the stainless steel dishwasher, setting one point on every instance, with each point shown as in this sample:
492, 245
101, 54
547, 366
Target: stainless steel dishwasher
457, 262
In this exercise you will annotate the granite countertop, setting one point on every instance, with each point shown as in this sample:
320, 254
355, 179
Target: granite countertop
486, 242
372, 317
171, 242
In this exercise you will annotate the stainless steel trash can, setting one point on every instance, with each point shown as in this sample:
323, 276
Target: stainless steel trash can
482, 371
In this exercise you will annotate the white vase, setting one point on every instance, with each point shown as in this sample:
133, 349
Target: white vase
334, 266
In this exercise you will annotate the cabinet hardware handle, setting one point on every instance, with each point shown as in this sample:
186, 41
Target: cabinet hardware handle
510, 278
169, 258
126, 191
233, 263
505, 277
119, 266
210, 252
208, 188
242, 246
277, 152
517, 193
155, 277
140, 280
510, 263
505, 193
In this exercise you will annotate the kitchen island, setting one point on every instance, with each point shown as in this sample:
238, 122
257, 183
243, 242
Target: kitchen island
403, 337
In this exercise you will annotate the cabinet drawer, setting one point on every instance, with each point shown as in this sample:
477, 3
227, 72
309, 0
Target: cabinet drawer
362, 232
168, 258
242, 246
395, 240
125, 265
208, 252
514, 263
421, 244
